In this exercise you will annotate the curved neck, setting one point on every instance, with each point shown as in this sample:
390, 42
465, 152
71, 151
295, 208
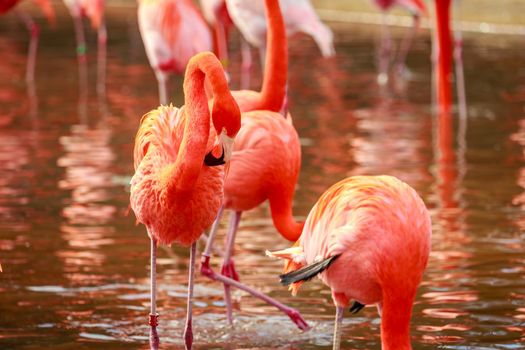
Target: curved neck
190, 158
395, 321
281, 207
273, 89
444, 52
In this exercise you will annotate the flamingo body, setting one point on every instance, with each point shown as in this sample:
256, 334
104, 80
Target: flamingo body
415, 6
92, 9
166, 27
169, 220
265, 165
379, 229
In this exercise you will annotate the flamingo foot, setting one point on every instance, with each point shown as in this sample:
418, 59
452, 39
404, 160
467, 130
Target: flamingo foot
228, 270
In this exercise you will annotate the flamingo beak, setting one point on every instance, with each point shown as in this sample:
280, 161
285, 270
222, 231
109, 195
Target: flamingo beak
226, 144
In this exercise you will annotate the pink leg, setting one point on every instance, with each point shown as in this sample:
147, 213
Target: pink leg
339, 312
162, 79
206, 270
406, 44
228, 267
34, 32
246, 65
384, 52
101, 59
153, 315
188, 331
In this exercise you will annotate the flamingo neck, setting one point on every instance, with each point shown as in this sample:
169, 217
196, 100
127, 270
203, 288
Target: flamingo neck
283, 219
395, 321
190, 158
273, 89
444, 51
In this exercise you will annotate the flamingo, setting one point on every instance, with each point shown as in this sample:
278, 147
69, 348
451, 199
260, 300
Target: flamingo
265, 164
173, 31
177, 187
299, 16
32, 27
368, 239
216, 14
416, 8
94, 10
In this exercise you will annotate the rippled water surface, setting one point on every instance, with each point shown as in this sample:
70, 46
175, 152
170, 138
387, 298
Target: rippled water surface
76, 265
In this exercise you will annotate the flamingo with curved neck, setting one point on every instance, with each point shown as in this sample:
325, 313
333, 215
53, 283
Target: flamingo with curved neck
265, 164
177, 187
368, 238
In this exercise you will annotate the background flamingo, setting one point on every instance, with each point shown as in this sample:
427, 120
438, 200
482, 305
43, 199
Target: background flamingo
94, 10
265, 163
299, 16
216, 14
368, 239
177, 187
416, 8
173, 31
32, 27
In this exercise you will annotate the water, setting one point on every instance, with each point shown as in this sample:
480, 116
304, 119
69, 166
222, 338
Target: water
76, 272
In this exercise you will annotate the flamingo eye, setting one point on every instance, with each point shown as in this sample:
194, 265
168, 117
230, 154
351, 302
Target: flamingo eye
211, 160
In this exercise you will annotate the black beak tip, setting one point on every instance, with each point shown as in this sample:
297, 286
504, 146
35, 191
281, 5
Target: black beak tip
211, 160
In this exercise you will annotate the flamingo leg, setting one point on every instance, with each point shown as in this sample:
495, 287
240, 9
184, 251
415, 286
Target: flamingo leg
406, 44
188, 330
162, 79
153, 315
460, 76
228, 267
101, 59
207, 271
246, 65
384, 52
34, 32
339, 311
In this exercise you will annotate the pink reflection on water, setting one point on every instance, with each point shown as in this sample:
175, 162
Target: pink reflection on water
87, 161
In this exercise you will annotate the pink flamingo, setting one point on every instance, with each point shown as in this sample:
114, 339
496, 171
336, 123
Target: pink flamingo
417, 8
265, 164
177, 187
368, 238
94, 10
32, 27
216, 14
299, 16
173, 31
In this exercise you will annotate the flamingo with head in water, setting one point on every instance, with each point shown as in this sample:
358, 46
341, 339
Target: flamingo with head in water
173, 31
368, 238
265, 164
179, 155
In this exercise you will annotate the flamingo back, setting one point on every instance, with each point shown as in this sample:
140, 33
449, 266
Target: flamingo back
266, 160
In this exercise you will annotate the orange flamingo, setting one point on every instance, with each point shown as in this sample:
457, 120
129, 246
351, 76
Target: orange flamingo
173, 31
32, 27
368, 238
177, 187
265, 164
94, 10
